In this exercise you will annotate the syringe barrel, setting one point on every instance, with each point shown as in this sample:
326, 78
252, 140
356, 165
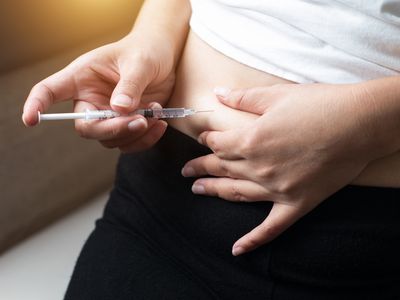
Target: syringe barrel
162, 113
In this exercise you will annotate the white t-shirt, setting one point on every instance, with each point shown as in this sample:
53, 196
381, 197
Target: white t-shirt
305, 41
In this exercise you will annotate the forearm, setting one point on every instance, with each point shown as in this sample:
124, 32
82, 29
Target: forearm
383, 104
383, 172
159, 19
379, 111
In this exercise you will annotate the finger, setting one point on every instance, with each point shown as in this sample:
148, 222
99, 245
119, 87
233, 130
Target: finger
128, 92
109, 129
129, 139
254, 100
225, 144
235, 190
58, 87
213, 165
281, 217
151, 137
116, 128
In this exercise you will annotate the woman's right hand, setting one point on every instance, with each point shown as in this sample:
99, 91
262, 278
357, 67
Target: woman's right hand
133, 72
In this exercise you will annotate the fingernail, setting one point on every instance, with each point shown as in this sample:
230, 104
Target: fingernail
188, 172
155, 105
237, 251
222, 91
198, 189
136, 124
122, 101
23, 120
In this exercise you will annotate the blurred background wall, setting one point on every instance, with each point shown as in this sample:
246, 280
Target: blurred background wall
47, 171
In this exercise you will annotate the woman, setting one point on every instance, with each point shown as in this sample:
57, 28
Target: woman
298, 146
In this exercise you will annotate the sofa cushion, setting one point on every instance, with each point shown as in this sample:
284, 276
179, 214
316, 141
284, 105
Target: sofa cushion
31, 30
48, 170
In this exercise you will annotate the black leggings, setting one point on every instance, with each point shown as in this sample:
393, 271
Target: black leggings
157, 240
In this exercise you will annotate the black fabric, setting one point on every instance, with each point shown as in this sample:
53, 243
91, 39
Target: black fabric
157, 240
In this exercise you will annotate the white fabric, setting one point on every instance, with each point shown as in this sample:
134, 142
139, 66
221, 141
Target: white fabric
305, 41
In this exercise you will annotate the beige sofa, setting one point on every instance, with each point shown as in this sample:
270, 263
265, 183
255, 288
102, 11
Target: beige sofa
48, 170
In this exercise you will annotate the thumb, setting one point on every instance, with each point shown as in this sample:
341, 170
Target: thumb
128, 92
281, 217
253, 100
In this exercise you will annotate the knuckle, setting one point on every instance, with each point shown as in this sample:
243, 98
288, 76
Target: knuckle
140, 57
86, 59
269, 231
241, 98
285, 187
223, 167
212, 143
266, 172
114, 131
244, 146
236, 194
251, 94
142, 61
45, 88
247, 145
40, 90
206, 161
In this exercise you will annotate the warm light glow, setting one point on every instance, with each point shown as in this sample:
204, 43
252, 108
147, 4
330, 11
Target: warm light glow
96, 4
34, 29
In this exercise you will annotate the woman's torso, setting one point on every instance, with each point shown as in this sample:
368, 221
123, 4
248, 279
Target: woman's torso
201, 69
341, 248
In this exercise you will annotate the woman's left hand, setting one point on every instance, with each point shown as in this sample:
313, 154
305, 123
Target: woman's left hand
308, 142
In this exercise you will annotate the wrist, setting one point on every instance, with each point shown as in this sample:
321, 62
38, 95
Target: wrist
159, 25
379, 104
152, 42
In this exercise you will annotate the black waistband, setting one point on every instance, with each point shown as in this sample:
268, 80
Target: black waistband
174, 149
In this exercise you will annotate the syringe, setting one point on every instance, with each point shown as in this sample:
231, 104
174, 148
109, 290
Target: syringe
158, 113
166, 113
87, 115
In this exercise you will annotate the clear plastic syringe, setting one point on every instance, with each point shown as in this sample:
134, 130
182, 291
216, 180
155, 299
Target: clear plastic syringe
166, 113
158, 113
